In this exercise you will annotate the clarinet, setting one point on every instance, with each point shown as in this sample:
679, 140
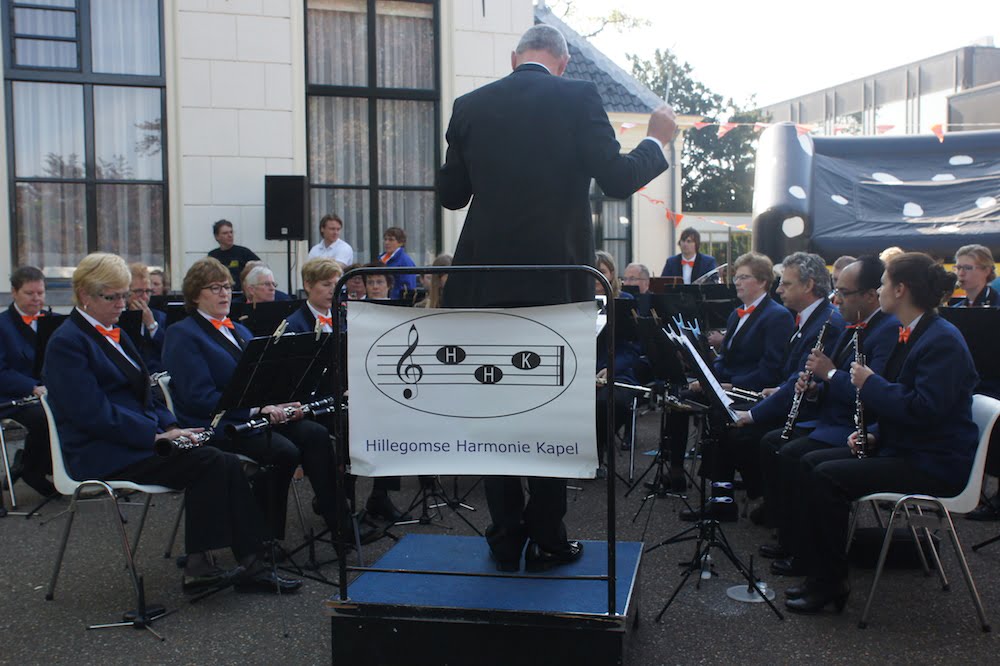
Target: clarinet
793, 413
168, 447
21, 402
310, 409
859, 409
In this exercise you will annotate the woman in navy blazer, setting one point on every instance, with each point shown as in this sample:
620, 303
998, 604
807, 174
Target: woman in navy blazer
18, 380
393, 242
689, 264
108, 421
201, 353
924, 440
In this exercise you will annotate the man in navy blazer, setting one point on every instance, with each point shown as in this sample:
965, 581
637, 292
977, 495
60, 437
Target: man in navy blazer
689, 264
18, 380
524, 150
153, 329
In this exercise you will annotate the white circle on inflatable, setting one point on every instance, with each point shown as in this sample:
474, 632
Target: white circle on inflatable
837, 199
797, 192
793, 226
912, 209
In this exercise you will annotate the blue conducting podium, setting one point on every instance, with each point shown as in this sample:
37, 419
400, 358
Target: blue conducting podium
438, 618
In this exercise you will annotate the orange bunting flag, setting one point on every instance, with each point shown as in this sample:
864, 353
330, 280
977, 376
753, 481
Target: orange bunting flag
760, 127
882, 129
803, 129
626, 127
675, 218
938, 132
700, 125
741, 227
725, 128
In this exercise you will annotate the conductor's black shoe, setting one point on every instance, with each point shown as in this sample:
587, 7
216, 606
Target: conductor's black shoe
507, 566
818, 596
266, 581
789, 566
381, 507
773, 551
986, 511
537, 558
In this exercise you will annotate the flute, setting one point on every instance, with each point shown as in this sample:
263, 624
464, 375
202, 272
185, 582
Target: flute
793, 413
311, 409
168, 447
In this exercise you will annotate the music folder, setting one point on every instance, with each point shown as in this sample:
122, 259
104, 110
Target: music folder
979, 327
263, 318
710, 386
47, 325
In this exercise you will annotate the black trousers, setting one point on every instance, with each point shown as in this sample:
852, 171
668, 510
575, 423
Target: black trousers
623, 402
300, 442
540, 520
37, 457
831, 480
220, 510
779, 463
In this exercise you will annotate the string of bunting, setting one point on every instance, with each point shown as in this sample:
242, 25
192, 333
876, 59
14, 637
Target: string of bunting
937, 129
675, 217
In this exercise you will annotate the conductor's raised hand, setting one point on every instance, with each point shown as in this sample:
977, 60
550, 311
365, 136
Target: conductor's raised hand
663, 124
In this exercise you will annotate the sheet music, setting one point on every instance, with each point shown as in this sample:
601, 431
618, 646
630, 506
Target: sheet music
713, 383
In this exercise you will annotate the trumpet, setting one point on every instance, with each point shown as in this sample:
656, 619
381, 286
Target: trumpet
793, 413
168, 447
859, 409
21, 402
310, 409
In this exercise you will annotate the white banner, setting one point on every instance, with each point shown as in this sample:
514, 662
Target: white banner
472, 391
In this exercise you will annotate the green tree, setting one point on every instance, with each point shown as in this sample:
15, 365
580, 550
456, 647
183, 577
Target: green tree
717, 173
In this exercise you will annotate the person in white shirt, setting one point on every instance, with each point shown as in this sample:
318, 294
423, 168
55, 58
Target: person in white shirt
332, 246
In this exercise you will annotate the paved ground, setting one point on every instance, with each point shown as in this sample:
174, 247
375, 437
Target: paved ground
913, 621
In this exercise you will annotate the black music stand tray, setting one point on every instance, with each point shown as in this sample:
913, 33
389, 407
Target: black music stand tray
264, 318
707, 532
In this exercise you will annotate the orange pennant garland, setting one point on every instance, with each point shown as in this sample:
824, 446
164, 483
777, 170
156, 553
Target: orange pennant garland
724, 129
938, 132
675, 218
701, 125
626, 127
803, 129
882, 129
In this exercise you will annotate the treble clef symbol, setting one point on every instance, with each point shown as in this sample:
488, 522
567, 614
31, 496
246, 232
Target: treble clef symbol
411, 373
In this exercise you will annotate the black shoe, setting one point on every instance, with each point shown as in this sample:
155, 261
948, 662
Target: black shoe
216, 578
724, 512
773, 551
799, 591
507, 566
538, 559
265, 580
678, 480
987, 511
381, 507
818, 596
39, 484
789, 566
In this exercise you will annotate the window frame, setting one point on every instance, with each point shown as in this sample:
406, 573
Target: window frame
87, 79
372, 93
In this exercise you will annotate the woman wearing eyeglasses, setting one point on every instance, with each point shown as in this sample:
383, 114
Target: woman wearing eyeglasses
975, 269
108, 421
201, 353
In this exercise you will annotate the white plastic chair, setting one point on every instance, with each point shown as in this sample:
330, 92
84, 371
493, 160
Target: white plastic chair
67, 485
985, 411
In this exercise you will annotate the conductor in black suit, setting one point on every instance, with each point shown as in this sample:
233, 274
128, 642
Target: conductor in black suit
524, 150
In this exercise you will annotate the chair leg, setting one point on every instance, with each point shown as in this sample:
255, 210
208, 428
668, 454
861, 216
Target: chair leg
916, 540
62, 545
853, 525
878, 516
6, 471
973, 592
298, 506
173, 532
945, 585
886, 542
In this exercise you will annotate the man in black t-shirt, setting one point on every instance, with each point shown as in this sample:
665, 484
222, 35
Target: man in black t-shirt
234, 257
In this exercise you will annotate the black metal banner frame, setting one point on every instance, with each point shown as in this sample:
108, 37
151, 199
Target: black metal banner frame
341, 449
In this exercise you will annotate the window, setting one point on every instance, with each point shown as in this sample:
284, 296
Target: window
373, 120
85, 107
612, 226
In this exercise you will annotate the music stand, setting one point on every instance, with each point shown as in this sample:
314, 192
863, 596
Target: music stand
263, 318
161, 302
47, 325
979, 327
660, 285
130, 321
175, 313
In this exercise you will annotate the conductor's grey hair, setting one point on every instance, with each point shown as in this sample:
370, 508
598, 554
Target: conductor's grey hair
543, 38
811, 266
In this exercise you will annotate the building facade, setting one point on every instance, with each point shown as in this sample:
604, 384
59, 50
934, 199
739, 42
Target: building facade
132, 125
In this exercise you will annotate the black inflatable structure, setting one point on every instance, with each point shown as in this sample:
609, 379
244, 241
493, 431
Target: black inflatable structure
858, 195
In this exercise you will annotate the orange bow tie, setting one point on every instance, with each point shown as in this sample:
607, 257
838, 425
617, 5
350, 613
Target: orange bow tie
27, 319
904, 334
385, 257
745, 311
863, 325
685, 262
111, 333
224, 322
798, 318
326, 321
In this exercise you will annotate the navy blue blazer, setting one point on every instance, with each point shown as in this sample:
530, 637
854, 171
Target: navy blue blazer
17, 356
105, 412
987, 298
703, 263
201, 361
301, 321
754, 358
775, 408
151, 348
837, 397
925, 411
399, 281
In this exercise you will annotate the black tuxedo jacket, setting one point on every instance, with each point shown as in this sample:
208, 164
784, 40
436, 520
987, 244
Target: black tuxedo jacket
524, 150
